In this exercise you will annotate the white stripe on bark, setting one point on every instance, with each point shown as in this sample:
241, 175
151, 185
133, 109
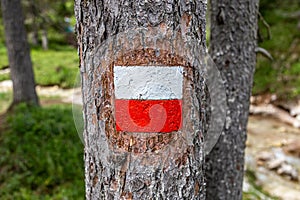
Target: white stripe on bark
148, 82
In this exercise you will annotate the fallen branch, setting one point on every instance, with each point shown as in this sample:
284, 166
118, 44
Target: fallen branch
275, 112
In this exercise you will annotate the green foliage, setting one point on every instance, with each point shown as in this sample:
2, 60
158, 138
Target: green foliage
41, 155
47, 14
1, 32
57, 66
5, 99
265, 76
3, 55
4, 77
281, 75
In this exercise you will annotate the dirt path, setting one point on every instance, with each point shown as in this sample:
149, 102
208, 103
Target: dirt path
49, 94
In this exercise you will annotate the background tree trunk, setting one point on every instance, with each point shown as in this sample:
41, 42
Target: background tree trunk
35, 23
44, 39
18, 53
233, 43
179, 174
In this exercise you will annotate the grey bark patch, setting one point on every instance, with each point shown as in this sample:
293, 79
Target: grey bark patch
233, 43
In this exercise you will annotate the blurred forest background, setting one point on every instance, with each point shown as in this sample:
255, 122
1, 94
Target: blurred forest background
41, 154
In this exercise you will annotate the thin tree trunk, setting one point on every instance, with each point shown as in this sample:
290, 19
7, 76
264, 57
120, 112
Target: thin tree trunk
35, 24
233, 43
18, 53
35, 34
121, 165
44, 39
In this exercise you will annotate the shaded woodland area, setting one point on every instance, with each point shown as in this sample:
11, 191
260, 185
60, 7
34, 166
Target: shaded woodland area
41, 146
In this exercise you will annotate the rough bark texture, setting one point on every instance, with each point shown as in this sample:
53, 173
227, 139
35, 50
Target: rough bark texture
120, 165
233, 43
18, 53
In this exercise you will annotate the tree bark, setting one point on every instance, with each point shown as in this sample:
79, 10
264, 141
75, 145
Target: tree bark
18, 53
121, 165
233, 43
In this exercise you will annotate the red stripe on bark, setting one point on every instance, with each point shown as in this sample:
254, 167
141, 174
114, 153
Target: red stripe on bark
161, 116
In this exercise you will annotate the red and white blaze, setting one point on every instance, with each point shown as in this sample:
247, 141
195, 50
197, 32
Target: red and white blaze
148, 99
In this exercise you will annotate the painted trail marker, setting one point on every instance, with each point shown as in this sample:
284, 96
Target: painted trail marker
145, 113
148, 99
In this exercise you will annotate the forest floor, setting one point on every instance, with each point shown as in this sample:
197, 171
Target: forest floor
272, 156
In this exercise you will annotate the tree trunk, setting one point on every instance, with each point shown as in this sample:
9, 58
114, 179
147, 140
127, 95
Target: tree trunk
233, 43
44, 39
35, 23
18, 53
128, 34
